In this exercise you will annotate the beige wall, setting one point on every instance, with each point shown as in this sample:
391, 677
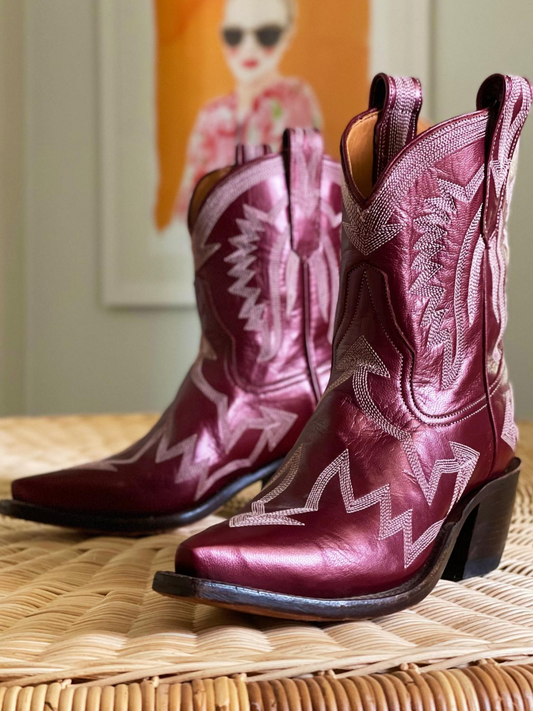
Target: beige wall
83, 357
12, 307
472, 40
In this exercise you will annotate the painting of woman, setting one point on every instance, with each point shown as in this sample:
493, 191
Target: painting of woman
255, 35
185, 82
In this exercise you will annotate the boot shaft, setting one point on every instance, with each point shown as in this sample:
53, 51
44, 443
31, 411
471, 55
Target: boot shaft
424, 240
266, 243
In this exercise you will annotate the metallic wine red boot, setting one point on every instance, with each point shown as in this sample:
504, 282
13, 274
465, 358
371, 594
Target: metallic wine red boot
406, 471
266, 242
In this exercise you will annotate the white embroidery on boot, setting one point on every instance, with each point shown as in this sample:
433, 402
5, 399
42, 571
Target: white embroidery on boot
224, 195
368, 227
340, 467
359, 361
160, 435
499, 260
473, 298
325, 264
509, 429
307, 169
407, 97
270, 347
285, 475
246, 243
434, 227
273, 424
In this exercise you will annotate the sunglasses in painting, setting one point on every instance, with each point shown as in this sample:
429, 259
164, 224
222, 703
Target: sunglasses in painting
266, 35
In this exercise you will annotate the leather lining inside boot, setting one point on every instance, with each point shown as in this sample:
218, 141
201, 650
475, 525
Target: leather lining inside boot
360, 150
206, 184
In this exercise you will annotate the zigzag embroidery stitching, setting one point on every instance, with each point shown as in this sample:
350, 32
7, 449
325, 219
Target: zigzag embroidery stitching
368, 229
160, 435
221, 198
285, 475
364, 360
251, 226
434, 228
388, 526
497, 262
273, 424
359, 361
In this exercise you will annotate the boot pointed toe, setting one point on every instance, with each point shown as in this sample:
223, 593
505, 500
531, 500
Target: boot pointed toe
55, 489
206, 555
70, 489
223, 554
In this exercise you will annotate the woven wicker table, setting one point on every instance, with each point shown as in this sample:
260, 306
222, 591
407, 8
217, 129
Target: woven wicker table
81, 629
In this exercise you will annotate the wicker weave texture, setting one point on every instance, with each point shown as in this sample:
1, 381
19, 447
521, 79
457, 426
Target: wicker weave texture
484, 687
81, 607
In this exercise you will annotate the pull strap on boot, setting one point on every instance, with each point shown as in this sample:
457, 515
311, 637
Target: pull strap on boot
399, 100
508, 98
304, 151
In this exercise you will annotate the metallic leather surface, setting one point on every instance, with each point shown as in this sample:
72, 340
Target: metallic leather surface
418, 411
266, 243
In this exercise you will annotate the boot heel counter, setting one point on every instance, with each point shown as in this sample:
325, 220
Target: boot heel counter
479, 546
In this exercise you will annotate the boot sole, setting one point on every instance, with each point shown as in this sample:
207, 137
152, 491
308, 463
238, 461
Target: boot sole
470, 543
135, 524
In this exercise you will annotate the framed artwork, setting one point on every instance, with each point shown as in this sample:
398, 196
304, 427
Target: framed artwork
182, 82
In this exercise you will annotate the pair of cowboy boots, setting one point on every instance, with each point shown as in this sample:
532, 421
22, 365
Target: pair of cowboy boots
405, 472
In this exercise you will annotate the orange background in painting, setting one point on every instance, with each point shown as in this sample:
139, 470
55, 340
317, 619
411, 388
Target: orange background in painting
329, 51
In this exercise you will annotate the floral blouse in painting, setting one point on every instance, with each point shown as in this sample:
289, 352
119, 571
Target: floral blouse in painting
218, 128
